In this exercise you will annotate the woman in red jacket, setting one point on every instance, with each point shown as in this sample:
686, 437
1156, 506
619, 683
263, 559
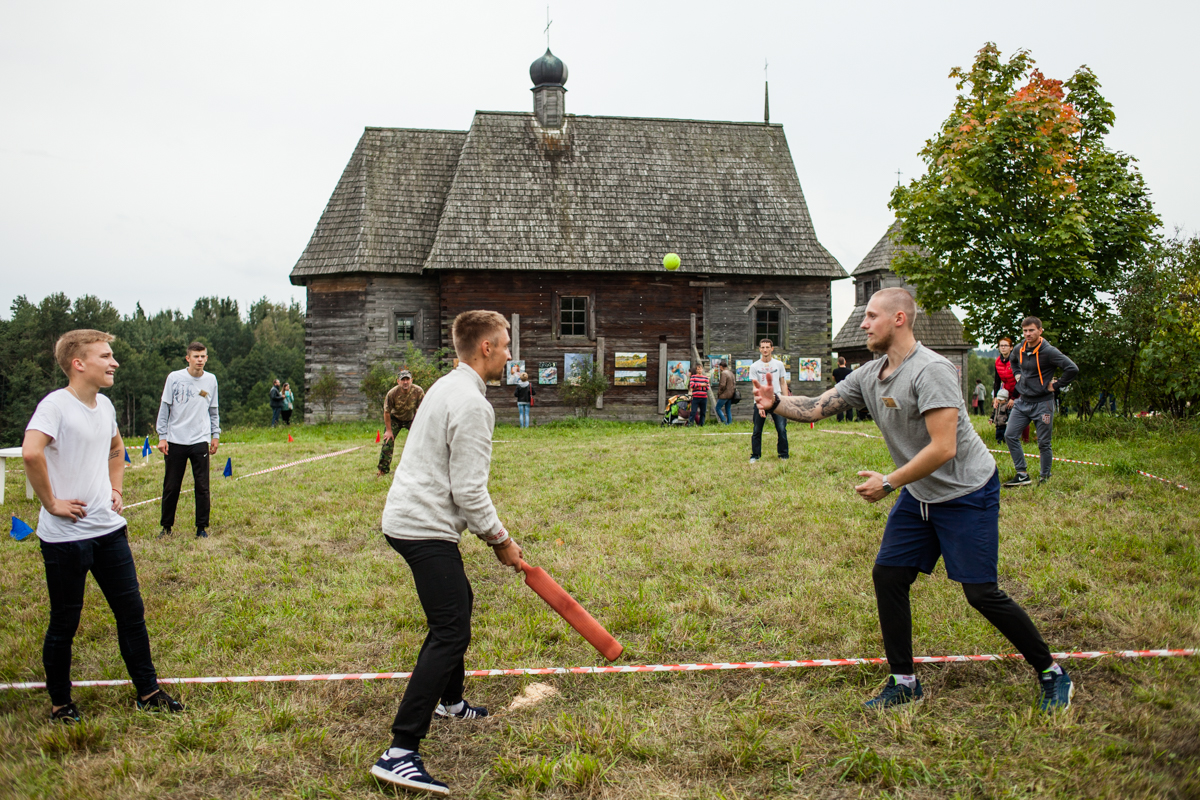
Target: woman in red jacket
1005, 378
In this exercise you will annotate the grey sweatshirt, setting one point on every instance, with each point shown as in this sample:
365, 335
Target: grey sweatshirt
441, 485
1034, 370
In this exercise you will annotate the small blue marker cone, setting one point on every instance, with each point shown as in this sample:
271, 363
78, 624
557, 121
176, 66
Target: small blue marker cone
127, 461
146, 448
19, 529
228, 473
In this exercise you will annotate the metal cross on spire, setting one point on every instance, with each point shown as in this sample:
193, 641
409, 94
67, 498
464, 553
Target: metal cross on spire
898, 173
765, 65
547, 30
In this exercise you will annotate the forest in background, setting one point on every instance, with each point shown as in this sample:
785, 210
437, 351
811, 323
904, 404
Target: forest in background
246, 353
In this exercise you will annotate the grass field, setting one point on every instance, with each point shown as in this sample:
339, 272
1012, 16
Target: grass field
686, 553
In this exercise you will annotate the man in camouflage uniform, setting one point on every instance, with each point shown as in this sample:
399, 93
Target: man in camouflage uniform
399, 408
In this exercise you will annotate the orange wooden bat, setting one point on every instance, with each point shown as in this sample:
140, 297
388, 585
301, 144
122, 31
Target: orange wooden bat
557, 598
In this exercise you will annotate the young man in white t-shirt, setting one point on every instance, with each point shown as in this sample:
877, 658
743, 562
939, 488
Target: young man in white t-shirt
189, 429
72, 453
759, 370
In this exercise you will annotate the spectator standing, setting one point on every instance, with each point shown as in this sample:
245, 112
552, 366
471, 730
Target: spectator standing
726, 386
524, 395
698, 388
1000, 415
276, 403
980, 397
1006, 378
72, 452
1037, 361
289, 403
840, 374
440, 490
189, 430
399, 410
759, 370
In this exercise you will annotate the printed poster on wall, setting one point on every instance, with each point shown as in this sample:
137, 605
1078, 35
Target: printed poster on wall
714, 365
629, 361
547, 373
513, 370
575, 365
629, 377
742, 372
677, 375
787, 366
810, 369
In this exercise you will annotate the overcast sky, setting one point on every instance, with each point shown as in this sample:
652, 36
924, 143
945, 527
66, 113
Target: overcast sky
158, 152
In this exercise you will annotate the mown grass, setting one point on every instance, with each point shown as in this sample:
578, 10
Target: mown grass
686, 553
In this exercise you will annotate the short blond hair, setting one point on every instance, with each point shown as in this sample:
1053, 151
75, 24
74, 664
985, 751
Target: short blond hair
472, 327
895, 299
73, 344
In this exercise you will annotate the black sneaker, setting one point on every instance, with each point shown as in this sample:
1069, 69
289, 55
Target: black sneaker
1021, 480
202, 534
407, 771
1043, 481
165, 532
158, 702
466, 712
67, 715
896, 694
1057, 691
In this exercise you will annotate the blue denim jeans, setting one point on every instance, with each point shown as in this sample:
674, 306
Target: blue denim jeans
781, 445
110, 561
699, 410
725, 405
523, 414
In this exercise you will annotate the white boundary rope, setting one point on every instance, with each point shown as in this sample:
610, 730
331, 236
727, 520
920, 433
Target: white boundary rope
260, 472
625, 669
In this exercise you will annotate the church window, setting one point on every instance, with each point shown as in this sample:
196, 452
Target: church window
768, 324
866, 289
406, 328
572, 316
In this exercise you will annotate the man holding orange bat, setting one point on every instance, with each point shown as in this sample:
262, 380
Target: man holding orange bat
441, 489
949, 506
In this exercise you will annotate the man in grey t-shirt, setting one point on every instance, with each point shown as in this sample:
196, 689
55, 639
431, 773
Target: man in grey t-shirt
949, 506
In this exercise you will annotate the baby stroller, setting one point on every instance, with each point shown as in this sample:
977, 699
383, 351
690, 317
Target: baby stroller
676, 412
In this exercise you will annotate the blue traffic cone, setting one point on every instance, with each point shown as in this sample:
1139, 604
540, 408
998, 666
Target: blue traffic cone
228, 473
19, 529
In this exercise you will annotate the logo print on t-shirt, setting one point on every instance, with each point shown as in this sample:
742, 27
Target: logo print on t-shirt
181, 393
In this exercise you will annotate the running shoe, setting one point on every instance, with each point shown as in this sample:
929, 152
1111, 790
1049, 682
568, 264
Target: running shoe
1043, 481
165, 532
468, 711
67, 715
158, 702
407, 771
1021, 480
202, 534
753, 460
896, 694
1057, 691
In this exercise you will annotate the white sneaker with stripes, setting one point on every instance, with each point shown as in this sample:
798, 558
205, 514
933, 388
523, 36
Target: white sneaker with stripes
407, 771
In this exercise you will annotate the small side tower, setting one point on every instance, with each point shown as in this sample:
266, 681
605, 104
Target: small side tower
548, 74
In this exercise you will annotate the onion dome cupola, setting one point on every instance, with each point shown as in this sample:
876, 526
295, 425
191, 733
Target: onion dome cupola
548, 74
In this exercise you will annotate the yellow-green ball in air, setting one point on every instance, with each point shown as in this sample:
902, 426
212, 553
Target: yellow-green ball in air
671, 261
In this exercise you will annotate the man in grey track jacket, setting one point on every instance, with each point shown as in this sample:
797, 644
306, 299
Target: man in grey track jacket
1034, 365
440, 490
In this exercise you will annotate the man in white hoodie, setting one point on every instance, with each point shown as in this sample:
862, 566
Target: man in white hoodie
441, 489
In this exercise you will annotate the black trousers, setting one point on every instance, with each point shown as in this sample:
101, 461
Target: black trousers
110, 561
895, 618
446, 598
178, 456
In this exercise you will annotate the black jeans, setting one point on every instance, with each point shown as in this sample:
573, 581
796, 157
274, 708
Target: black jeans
699, 410
781, 445
178, 456
110, 561
895, 618
446, 598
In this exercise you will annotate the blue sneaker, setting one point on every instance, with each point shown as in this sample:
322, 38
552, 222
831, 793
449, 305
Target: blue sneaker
1057, 691
896, 694
408, 772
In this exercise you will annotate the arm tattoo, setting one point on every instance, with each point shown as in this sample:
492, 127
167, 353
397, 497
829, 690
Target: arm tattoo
812, 409
113, 454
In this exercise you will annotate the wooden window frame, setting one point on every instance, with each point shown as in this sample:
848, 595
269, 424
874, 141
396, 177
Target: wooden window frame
589, 317
418, 318
783, 326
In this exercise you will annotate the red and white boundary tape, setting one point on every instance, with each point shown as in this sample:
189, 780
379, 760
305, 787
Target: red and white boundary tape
260, 472
625, 668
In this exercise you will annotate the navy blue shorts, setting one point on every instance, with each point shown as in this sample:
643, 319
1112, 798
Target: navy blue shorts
964, 531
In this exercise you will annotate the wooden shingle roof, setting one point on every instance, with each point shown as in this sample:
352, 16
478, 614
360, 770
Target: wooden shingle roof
383, 215
604, 193
880, 257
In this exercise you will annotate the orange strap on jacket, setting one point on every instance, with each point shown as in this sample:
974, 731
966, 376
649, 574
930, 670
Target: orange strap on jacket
1036, 357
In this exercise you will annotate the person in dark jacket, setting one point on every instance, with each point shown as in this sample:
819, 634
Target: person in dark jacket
1004, 379
1036, 361
726, 386
840, 374
524, 395
276, 403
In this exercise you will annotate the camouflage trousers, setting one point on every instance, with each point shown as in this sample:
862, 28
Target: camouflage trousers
385, 453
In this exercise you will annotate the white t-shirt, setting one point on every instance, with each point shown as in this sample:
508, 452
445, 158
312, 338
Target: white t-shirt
774, 367
77, 461
189, 421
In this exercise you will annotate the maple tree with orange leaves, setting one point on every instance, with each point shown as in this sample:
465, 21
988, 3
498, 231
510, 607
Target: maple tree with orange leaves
1023, 210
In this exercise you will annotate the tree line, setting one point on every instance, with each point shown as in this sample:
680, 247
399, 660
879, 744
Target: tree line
246, 353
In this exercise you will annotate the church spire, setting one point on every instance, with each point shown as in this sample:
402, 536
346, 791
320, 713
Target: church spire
549, 74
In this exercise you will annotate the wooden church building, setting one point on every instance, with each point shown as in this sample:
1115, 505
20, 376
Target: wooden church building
561, 222
940, 331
